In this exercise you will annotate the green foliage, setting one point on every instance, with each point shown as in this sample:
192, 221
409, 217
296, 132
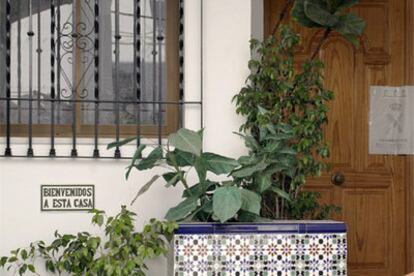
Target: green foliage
286, 107
307, 205
204, 200
285, 112
183, 209
187, 140
227, 201
330, 14
122, 253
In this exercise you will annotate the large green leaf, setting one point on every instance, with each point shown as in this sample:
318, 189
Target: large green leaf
318, 12
354, 39
249, 141
227, 201
351, 27
346, 4
298, 13
251, 201
277, 168
248, 160
137, 155
186, 140
181, 158
145, 188
285, 128
281, 193
263, 182
219, 164
273, 146
208, 207
120, 143
182, 210
350, 24
333, 4
278, 137
151, 160
199, 189
250, 170
283, 161
172, 178
244, 216
287, 150
201, 168
202, 213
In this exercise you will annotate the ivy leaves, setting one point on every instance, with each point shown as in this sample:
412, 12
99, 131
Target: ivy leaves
327, 14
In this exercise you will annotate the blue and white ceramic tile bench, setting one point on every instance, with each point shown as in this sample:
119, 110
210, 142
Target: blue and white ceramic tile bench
279, 248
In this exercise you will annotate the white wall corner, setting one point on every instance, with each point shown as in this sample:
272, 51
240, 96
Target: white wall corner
257, 19
227, 31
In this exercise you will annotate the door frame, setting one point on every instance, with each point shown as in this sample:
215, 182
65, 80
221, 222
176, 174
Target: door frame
409, 80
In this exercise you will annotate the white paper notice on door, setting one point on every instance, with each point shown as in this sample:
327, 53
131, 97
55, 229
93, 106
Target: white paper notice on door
391, 120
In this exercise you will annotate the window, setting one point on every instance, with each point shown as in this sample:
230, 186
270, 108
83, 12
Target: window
90, 68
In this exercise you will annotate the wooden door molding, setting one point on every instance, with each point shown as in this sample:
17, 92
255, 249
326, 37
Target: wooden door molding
409, 80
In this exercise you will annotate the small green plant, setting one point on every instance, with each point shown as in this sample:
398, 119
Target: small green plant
123, 253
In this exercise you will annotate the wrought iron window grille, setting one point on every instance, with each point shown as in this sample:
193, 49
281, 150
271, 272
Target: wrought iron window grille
78, 44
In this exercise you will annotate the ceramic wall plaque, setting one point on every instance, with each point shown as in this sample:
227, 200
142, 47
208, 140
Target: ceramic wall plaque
67, 197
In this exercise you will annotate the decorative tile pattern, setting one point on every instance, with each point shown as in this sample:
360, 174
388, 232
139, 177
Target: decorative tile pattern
260, 254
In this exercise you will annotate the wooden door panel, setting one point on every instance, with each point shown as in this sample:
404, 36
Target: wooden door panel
376, 12
372, 198
367, 213
339, 73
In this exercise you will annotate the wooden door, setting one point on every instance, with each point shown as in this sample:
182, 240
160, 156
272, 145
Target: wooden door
373, 195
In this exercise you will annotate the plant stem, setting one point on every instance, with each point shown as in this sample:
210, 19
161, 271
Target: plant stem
182, 178
277, 25
282, 15
277, 209
268, 212
318, 49
282, 208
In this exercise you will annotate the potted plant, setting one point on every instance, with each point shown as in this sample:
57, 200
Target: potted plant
285, 110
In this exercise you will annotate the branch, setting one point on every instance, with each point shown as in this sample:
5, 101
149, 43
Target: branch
318, 49
276, 27
282, 15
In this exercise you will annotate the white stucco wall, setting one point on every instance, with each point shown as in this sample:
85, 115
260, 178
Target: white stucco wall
227, 30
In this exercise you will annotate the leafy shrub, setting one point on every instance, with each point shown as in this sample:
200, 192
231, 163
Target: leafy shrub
286, 105
123, 253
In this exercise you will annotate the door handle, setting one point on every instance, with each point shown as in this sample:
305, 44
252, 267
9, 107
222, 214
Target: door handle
338, 179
